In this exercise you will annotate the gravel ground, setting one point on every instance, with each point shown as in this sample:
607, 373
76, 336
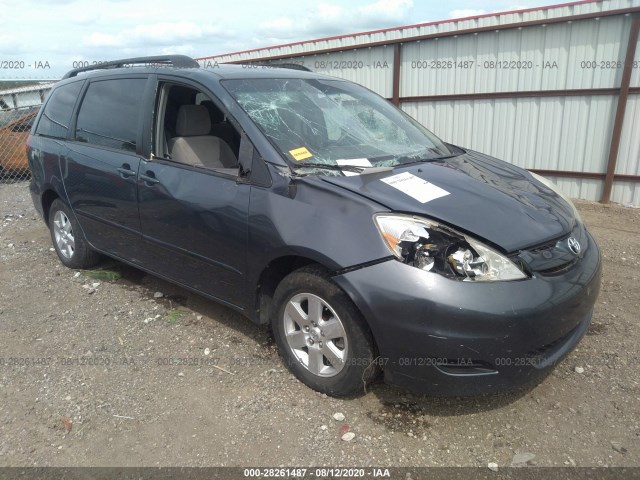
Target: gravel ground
103, 372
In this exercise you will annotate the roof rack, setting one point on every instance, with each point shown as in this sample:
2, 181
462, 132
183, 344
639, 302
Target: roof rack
177, 61
292, 66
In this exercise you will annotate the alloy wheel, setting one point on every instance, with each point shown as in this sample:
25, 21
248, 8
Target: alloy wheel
63, 234
315, 334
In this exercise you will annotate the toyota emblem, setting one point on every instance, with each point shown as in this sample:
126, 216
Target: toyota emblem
574, 245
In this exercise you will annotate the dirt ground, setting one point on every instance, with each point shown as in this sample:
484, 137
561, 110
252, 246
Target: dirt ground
101, 372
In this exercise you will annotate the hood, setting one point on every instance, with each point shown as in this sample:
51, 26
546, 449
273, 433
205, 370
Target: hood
485, 197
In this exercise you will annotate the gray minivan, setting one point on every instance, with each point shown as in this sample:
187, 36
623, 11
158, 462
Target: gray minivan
314, 205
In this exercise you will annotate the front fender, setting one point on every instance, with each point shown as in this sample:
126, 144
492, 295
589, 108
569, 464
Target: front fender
309, 218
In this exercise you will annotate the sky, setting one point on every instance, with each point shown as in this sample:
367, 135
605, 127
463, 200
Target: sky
45, 38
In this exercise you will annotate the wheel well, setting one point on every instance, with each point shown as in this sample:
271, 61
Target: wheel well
270, 278
47, 199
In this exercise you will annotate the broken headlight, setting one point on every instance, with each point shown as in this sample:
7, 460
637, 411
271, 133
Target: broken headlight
436, 248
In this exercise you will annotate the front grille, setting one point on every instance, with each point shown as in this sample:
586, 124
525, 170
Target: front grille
542, 248
558, 269
554, 257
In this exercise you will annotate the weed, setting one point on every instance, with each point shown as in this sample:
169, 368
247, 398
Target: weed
174, 315
104, 275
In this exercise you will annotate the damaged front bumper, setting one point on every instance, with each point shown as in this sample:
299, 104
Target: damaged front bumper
447, 337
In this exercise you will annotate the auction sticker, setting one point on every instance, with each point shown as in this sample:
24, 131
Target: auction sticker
415, 187
300, 153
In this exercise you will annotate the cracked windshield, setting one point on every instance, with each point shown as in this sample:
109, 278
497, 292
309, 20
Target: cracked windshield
327, 126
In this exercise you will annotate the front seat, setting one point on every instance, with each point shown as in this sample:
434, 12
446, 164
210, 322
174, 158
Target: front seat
194, 146
220, 126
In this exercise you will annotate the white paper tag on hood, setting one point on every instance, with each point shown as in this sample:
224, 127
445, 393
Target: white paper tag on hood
415, 187
354, 162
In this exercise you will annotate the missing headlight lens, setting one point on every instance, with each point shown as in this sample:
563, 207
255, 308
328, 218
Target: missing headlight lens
435, 248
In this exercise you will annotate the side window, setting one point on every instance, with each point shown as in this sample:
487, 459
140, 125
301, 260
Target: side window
190, 128
110, 112
55, 118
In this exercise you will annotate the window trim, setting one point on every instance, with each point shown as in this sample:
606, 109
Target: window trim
158, 119
220, 172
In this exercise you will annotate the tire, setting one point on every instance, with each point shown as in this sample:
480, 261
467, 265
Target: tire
337, 331
68, 239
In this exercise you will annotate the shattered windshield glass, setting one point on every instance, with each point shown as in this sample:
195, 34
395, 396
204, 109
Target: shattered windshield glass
333, 123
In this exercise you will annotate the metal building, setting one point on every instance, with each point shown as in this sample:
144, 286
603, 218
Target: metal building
27, 96
553, 89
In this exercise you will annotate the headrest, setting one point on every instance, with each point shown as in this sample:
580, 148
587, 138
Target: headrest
214, 112
193, 120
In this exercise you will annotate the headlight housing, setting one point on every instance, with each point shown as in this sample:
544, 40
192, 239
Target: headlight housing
432, 247
548, 183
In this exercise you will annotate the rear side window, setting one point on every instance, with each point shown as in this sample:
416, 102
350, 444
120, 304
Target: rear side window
55, 118
110, 112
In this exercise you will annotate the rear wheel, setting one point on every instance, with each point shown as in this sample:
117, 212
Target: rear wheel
68, 240
321, 335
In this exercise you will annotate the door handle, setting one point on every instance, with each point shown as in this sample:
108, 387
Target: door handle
125, 171
149, 179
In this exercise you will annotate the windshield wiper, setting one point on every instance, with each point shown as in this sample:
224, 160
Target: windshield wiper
347, 168
444, 157
417, 159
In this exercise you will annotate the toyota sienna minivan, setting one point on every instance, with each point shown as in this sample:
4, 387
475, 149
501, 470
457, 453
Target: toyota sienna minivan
314, 205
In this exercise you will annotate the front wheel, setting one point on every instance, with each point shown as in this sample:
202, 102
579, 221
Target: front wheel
68, 240
321, 335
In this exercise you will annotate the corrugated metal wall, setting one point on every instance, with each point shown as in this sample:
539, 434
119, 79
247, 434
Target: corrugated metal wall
536, 58
371, 67
557, 131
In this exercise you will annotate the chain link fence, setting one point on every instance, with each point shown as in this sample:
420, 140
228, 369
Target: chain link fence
15, 124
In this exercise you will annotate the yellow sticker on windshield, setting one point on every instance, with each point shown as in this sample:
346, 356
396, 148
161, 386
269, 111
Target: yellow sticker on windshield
300, 153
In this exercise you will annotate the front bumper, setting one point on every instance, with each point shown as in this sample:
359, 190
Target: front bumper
447, 337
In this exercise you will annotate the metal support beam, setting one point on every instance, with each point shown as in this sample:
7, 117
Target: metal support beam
396, 74
620, 110
587, 175
577, 92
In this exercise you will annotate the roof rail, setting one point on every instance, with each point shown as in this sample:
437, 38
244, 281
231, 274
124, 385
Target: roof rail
178, 61
292, 66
